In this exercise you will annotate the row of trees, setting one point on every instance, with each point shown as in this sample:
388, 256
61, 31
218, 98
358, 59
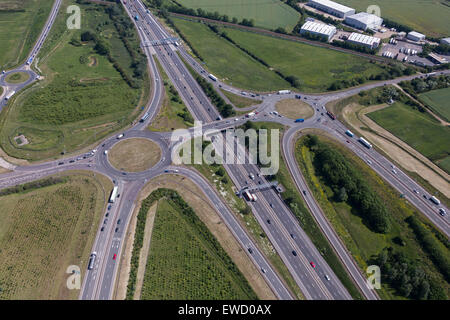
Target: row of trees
33, 185
348, 185
226, 110
437, 252
198, 227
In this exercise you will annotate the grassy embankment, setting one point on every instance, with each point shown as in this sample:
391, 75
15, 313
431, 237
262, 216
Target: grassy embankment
173, 114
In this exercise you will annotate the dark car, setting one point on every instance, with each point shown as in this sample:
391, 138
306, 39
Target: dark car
72, 161
118, 221
304, 192
60, 163
268, 221
292, 236
294, 253
103, 228
117, 229
109, 207
250, 250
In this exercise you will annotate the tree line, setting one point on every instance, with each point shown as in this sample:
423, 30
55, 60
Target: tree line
349, 186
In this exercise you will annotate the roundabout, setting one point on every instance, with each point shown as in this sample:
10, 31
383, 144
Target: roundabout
17, 77
134, 155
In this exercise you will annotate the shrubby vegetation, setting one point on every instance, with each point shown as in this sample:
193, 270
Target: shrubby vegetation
437, 252
420, 85
225, 109
406, 277
349, 185
33, 185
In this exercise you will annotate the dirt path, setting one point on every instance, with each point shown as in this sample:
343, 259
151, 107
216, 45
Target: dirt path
399, 151
145, 250
207, 214
443, 122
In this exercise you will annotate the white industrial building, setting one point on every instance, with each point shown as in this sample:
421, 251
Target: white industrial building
363, 40
445, 41
364, 21
415, 36
332, 8
319, 29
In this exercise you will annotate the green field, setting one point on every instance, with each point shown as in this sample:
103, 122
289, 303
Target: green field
186, 261
317, 68
419, 130
17, 77
45, 230
269, 14
228, 62
427, 16
21, 21
83, 97
438, 100
360, 240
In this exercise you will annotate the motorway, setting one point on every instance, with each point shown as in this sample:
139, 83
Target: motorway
282, 228
26, 67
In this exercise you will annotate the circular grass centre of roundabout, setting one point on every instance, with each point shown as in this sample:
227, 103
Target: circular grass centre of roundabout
17, 77
134, 155
294, 109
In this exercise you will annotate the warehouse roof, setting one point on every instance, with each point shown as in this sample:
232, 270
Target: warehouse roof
362, 38
416, 34
319, 28
334, 5
366, 18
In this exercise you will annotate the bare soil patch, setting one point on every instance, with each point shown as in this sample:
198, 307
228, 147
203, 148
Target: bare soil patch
134, 155
294, 109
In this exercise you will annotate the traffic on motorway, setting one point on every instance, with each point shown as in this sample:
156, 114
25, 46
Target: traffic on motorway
306, 265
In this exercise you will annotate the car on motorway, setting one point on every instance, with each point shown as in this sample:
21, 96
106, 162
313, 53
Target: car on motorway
442, 212
103, 228
268, 221
271, 205
263, 270
114, 256
71, 161
61, 163
304, 192
250, 250
118, 221
327, 277
312, 264
292, 236
105, 152
294, 253
109, 207
107, 214
117, 229
416, 191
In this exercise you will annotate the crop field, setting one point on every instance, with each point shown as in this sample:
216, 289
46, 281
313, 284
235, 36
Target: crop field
228, 62
187, 262
361, 241
419, 130
316, 68
20, 24
82, 99
269, 14
44, 231
438, 100
427, 16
